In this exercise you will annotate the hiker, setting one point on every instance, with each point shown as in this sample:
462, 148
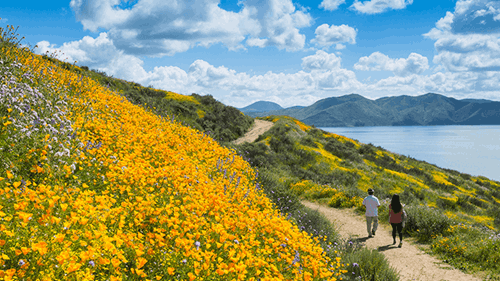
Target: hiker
371, 203
396, 219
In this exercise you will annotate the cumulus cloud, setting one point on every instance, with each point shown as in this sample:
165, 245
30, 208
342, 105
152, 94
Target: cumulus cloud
331, 5
321, 61
469, 38
414, 64
98, 53
379, 6
327, 36
158, 28
322, 74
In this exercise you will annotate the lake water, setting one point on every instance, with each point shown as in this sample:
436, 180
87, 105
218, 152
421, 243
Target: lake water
474, 150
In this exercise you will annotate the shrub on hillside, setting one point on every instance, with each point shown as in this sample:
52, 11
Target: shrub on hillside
308, 141
225, 123
469, 248
368, 264
343, 150
424, 222
257, 154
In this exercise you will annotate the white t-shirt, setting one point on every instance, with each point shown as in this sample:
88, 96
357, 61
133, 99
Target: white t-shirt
371, 202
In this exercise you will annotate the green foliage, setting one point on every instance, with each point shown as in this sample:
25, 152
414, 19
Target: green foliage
463, 201
308, 141
447, 204
225, 122
368, 264
424, 222
258, 154
343, 150
469, 249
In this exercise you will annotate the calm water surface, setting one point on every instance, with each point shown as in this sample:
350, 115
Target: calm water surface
473, 150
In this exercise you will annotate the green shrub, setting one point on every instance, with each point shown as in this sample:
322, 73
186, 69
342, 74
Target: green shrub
316, 133
343, 150
368, 264
445, 203
475, 201
424, 222
469, 249
257, 154
308, 141
465, 205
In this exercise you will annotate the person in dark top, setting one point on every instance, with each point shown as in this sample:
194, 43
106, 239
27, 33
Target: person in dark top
396, 219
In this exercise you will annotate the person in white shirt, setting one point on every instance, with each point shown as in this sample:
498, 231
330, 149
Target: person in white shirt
371, 202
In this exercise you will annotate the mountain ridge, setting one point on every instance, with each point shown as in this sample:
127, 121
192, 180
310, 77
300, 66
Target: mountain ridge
429, 109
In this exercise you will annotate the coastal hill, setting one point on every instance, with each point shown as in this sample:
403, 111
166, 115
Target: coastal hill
261, 106
430, 109
103, 178
264, 106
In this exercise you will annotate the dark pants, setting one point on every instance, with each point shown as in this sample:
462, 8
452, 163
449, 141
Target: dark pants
399, 228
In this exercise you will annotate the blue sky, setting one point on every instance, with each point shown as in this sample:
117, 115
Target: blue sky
288, 52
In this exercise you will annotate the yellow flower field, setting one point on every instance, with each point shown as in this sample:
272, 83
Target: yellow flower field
128, 195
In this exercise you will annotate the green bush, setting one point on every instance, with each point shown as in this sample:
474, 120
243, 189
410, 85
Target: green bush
424, 222
368, 264
343, 150
465, 205
257, 154
308, 141
469, 249
447, 204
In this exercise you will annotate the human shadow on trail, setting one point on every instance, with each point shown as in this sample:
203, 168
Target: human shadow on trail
361, 240
387, 247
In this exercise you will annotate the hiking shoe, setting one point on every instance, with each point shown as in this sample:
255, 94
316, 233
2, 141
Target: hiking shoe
370, 236
400, 244
373, 232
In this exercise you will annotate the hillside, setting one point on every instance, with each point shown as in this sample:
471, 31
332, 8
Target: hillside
430, 109
115, 180
95, 187
261, 106
457, 214
204, 113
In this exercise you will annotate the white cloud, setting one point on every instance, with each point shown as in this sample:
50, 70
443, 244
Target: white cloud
331, 35
414, 64
331, 5
98, 53
321, 61
158, 28
459, 85
322, 74
379, 6
469, 38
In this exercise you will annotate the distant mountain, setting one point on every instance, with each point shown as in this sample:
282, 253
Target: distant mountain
430, 109
261, 106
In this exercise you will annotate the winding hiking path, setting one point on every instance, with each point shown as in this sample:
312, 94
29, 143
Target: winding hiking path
409, 261
258, 128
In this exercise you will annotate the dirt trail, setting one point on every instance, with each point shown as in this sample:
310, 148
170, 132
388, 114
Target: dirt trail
412, 263
409, 261
258, 128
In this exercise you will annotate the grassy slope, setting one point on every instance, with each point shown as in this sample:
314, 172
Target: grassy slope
92, 186
337, 170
